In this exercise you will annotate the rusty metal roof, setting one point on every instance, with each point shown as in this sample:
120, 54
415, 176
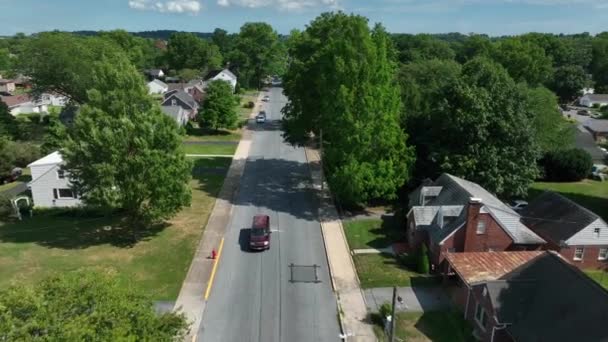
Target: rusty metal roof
474, 267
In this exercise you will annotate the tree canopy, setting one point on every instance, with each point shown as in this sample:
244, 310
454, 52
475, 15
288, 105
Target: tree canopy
569, 81
355, 105
187, 51
219, 109
83, 306
525, 61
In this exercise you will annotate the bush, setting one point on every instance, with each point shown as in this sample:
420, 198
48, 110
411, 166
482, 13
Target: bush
423, 260
385, 309
566, 165
6, 207
249, 104
34, 117
24, 153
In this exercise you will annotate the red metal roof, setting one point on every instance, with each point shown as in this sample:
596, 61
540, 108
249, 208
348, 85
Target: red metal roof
15, 100
483, 266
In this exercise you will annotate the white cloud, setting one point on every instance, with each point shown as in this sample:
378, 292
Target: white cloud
447, 5
172, 6
287, 5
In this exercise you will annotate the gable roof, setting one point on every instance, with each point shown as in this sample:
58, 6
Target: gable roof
182, 97
597, 97
15, 100
557, 217
49, 159
596, 125
159, 83
474, 267
458, 191
584, 140
211, 74
154, 72
547, 299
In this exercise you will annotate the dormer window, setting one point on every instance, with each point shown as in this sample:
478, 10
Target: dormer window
596, 232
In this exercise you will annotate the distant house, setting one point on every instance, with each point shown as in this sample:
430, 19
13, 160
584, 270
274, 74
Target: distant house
7, 86
24, 104
154, 73
195, 88
54, 99
598, 128
589, 100
50, 184
224, 75
577, 233
527, 297
455, 215
182, 99
157, 87
587, 91
177, 113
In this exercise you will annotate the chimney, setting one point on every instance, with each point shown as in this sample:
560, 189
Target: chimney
471, 224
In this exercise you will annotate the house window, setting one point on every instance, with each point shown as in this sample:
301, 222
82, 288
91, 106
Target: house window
480, 316
60, 174
481, 227
174, 102
603, 255
63, 193
452, 250
578, 253
596, 232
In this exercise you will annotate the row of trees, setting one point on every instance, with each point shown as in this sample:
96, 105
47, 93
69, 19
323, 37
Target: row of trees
396, 111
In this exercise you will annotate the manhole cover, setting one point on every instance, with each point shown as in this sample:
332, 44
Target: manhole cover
304, 273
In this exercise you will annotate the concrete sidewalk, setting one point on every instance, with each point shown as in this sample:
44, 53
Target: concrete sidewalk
351, 302
190, 300
418, 299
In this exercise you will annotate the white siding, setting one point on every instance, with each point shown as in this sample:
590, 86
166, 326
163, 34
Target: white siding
44, 180
225, 77
588, 237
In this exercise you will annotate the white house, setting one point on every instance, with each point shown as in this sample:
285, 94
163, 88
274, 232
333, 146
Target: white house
224, 75
588, 100
157, 87
55, 99
24, 104
50, 185
177, 113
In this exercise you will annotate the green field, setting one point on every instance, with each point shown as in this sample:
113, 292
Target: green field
247, 96
228, 149
371, 233
384, 270
156, 263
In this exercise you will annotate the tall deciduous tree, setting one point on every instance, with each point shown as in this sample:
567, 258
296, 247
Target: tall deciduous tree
83, 306
569, 81
551, 130
353, 100
599, 63
524, 61
8, 123
219, 109
123, 152
256, 53
187, 51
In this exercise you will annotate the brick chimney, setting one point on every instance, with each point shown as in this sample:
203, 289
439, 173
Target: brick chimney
471, 224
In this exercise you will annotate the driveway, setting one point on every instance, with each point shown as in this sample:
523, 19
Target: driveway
259, 296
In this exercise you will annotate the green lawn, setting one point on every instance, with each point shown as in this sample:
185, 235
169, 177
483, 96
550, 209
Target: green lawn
591, 194
436, 326
198, 134
247, 96
383, 270
156, 264
209, 149
600, 276
372, 233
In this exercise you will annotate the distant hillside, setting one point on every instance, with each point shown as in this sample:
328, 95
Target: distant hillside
158, 34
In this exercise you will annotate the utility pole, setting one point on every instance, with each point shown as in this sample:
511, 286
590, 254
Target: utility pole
393, 318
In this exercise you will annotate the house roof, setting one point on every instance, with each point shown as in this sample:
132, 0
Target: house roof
153, 72
15, 100
49, 159
3, 81
456, 191
557, 217
474, 267
183, 97
597, 97
548, 299
159, 82
584, 140
211, 74
596, 125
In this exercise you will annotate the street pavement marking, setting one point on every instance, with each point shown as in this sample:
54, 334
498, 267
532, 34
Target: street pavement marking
217, 259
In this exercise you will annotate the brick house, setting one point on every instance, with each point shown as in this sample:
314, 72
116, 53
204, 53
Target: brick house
575, 232
455, 215
527, 296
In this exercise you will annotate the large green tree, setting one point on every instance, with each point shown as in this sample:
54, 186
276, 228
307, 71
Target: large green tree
187, 51
599, 64
524, 60
551, 130
122, 152
568, 82
223, 40
141, 51
353, 101
480, 130
8, 123
421, 47
83, 306
256, 53
219, 108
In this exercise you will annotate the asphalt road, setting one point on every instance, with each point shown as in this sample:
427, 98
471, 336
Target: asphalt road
256, 296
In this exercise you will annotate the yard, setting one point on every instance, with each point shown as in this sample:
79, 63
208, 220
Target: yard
155, 263
382, 269
591, 194
600, 276
246, 97
436, 326
222, 149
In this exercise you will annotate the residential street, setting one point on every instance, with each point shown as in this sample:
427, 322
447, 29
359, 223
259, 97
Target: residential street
253, 297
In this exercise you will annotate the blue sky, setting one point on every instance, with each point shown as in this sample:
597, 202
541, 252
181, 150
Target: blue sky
494, 17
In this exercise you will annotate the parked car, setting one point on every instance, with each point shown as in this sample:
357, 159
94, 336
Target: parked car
266, 98
259, 237
583, 112
261, 118
518, 205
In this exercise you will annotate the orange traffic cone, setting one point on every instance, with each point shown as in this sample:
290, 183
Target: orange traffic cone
213, 253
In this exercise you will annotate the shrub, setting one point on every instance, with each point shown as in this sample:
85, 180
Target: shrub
423, 260
385, 309
249, 104
34, 118
6, 207
24, 153
566, 165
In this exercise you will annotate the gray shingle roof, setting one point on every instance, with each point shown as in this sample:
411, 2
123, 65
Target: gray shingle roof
183, 97
548, 299
557, 217
584, 140
457, 192
598, 97
596, 125
159, 82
